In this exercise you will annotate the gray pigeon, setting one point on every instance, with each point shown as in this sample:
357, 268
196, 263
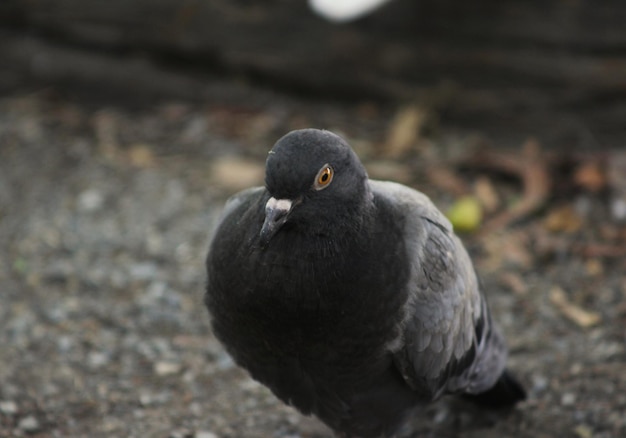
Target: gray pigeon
351, 299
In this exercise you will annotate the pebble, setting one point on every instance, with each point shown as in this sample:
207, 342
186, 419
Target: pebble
8, 407
29, 424
166, 368
224, 362
618, 209
90, 200
151, 399
204, 434
568, 399
583, 431
540, 383
182, 433
143, 271
97, 359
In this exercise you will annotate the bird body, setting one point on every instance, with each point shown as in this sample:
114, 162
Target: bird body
351, 299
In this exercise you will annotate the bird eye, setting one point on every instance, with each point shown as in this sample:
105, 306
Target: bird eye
323, 178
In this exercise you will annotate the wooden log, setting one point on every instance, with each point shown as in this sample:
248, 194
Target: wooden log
482, 56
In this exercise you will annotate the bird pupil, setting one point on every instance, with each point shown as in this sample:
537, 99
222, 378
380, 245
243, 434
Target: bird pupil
325, 176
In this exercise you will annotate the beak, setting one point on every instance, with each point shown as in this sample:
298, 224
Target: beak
276, 213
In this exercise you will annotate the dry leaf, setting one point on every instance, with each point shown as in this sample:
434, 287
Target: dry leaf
531, 168
594, 268
106, 132
445, 179
486, 194
141, 155
233, 174
404, 130
389, 170
509, 249
574, 313
564, 219
590, 176
514, 282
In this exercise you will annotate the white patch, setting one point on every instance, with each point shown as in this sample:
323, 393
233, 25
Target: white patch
344, 10
279, 204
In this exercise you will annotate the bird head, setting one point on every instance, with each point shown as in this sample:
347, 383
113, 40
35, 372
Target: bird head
314, 180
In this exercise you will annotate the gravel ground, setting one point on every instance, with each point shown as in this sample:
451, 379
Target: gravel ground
105, 217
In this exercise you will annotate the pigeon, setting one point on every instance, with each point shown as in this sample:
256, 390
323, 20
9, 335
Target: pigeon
351, 299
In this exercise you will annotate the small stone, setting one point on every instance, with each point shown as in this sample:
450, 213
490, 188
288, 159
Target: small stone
138, 413
204, 434
583, 431
576, 369
143, 271
153, 399
167, 368
196, 409
90, 200
97, 359
225, 362
618, 209
29, 424
181, 433
540, 383
250, 385
568, 399
8, 407
145, 399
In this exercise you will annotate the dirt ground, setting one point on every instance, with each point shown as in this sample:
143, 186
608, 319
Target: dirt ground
105, 216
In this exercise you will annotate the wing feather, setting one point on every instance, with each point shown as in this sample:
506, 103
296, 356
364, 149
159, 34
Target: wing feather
441, 349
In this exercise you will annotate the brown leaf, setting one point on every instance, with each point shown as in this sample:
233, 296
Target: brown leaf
590, 176
389, 170
404, 131
514, 282
105, 125
594, 268
532, 168
233, 174
141, 155
571, 311
445, 179
486, 194
510, 249
563, 219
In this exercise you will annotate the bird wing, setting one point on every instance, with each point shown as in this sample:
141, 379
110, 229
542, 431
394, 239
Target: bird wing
237, 200
448, 342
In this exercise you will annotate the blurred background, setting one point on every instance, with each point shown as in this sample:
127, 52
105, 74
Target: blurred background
124, 126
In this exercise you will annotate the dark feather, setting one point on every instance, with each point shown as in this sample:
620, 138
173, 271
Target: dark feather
505, 393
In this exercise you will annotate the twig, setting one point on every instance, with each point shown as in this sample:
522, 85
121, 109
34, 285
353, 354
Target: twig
532, 169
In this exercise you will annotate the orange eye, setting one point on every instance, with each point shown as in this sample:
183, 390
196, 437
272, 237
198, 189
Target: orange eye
323, 178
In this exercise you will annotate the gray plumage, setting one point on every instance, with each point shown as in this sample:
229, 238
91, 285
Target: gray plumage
351, 299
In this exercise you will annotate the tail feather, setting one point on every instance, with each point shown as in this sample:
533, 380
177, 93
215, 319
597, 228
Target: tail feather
506, 392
